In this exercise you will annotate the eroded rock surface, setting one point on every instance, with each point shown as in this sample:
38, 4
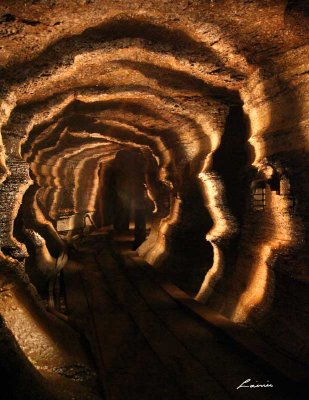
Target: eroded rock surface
213, 96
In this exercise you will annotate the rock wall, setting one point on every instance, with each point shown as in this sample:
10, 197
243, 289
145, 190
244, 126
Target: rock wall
215, 93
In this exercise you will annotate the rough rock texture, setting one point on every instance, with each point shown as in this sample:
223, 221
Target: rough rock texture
214, 94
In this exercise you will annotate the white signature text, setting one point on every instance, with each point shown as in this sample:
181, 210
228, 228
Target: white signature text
247, 384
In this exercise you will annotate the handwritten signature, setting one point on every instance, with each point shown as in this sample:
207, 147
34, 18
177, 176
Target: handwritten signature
255, 386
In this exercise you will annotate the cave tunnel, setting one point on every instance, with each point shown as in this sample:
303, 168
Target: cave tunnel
154, 200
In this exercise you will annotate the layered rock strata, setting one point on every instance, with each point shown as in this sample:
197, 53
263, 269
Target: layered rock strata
213, 95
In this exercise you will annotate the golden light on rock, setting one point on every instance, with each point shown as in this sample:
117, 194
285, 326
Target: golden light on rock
153, 198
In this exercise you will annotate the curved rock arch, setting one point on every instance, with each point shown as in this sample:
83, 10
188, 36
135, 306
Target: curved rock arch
197, 64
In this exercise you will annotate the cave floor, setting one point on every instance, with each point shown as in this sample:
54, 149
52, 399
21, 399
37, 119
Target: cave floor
146, 343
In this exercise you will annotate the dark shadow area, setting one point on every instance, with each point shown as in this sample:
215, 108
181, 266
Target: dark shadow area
230, 162
122, 195
19, 379
297, 6
188, 256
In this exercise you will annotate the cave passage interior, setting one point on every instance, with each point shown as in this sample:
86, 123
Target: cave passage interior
154, 199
